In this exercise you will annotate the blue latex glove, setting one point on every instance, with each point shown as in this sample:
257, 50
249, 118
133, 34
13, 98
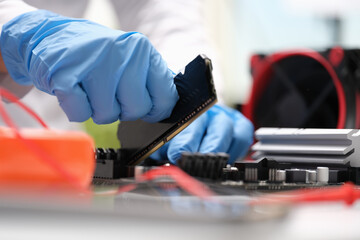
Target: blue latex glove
94, 71
220, 129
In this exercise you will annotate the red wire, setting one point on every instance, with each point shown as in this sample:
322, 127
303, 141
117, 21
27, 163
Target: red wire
9, 96
126, 188
183, 180
43, 156
186, 182
347, 193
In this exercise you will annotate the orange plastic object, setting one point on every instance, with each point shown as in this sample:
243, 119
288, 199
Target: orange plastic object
72, 152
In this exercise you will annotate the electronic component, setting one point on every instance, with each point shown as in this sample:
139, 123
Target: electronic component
111, 164
303, 156
284, 159
108, 164
280, 175
312, 177
313, 146
296, 175
197, 94
322, 174
207, 165
231, 173
253, 171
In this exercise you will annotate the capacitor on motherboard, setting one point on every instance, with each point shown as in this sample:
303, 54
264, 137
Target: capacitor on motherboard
311, 176
322, 174
280, 176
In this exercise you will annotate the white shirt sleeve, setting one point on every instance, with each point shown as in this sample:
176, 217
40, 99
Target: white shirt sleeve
10, 9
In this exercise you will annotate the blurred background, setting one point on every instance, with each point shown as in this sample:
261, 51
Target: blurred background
239, 28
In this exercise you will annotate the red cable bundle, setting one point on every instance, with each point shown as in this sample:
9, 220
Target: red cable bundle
32, 157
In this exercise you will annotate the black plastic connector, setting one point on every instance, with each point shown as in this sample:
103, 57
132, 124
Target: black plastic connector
111, 164
253, 171
208, 165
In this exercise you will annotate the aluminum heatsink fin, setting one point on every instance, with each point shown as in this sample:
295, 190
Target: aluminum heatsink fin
335, 146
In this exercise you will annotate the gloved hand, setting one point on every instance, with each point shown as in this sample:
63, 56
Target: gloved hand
220, 129
94, 71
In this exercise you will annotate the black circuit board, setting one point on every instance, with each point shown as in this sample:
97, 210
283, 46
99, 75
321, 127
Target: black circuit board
211, 168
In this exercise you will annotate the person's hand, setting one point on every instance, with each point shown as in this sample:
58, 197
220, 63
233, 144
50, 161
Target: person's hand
94, 71
220, 129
